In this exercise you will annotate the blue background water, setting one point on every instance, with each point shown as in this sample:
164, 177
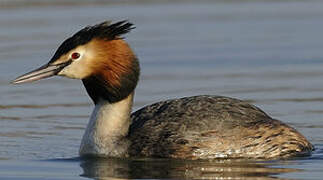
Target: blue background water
268, 52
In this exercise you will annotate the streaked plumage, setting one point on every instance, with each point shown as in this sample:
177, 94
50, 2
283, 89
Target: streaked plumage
199, 127
212, 127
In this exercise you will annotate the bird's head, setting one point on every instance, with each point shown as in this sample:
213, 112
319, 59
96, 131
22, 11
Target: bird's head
99, 57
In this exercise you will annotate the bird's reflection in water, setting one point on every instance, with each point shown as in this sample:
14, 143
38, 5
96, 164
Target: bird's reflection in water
175, 169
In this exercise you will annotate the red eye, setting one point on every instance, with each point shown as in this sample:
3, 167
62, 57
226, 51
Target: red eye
75, 55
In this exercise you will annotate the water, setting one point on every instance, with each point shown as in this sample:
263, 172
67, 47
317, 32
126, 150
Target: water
268, 52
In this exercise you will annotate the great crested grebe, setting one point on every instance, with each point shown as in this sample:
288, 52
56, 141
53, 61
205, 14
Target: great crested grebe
199, 127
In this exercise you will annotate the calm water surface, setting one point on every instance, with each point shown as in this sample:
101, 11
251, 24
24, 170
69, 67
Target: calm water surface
267, 52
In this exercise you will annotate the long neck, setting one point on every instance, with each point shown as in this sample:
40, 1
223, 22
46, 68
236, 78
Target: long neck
111, 87
107, 128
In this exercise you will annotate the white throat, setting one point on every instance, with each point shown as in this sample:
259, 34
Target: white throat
106, 132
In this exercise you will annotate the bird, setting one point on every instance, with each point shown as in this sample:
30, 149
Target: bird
191, 128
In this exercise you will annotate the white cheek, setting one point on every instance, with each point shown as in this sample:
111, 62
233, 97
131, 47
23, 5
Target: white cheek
70, 73
76, 70
79, 68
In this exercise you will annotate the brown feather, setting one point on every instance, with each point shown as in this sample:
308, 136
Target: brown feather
116, 69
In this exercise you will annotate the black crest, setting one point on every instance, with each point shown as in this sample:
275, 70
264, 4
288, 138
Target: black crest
104, 30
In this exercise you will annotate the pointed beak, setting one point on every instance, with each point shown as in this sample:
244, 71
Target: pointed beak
43, 72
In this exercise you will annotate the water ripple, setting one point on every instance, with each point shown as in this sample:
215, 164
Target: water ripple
28, 106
